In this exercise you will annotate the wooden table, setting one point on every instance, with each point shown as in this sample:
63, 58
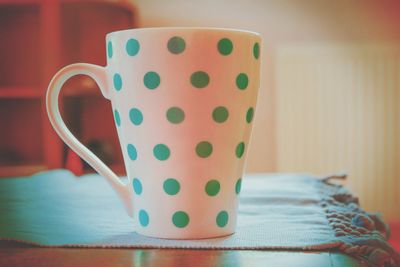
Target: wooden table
15, 255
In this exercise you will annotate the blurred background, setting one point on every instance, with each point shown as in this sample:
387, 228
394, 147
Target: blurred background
329, 98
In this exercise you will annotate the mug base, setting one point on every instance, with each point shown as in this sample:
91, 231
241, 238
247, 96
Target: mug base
187, 236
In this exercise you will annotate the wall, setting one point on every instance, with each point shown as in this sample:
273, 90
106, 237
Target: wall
338, 108
280, 139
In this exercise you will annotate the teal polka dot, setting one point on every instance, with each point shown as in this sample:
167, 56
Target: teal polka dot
199, 79
175, 115
204, 149
212, 188
137, 186
242, 81
225, 46
256, 50
176, 45
171, 186
220, 114
238, 185
117, 118
222, 218
132, 153
161, 152
109, 49
143, 218
180, 219
240, 149
117, 80
136, 116
151, 80
132, 47
249, 114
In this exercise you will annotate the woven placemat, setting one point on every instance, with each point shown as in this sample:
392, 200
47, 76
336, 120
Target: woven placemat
276, 212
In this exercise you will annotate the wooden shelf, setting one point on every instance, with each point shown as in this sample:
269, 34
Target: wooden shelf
118, 168
42, 37
20, 170
123, 4
20, 51
81, 86
20, 92
20, 2
21, 131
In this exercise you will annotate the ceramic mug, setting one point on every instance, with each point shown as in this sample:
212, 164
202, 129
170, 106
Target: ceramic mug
183, 101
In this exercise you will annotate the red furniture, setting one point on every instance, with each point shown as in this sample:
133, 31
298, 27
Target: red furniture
38, 38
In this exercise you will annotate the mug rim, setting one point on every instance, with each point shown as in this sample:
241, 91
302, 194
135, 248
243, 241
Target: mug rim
160, 29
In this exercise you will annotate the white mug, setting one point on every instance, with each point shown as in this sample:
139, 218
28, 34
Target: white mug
183, 101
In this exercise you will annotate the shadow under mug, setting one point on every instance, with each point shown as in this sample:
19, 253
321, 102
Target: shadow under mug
183, 101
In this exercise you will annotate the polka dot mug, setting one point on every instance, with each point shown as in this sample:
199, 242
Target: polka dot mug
183, 101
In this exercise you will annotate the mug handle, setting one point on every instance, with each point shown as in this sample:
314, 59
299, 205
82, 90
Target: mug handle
97, 73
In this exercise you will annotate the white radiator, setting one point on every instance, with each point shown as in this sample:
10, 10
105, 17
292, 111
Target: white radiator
338, 108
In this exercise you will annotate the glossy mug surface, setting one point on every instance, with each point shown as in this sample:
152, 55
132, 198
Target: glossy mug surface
183, 101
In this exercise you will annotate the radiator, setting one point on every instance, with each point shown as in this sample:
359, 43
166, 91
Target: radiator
338, 109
